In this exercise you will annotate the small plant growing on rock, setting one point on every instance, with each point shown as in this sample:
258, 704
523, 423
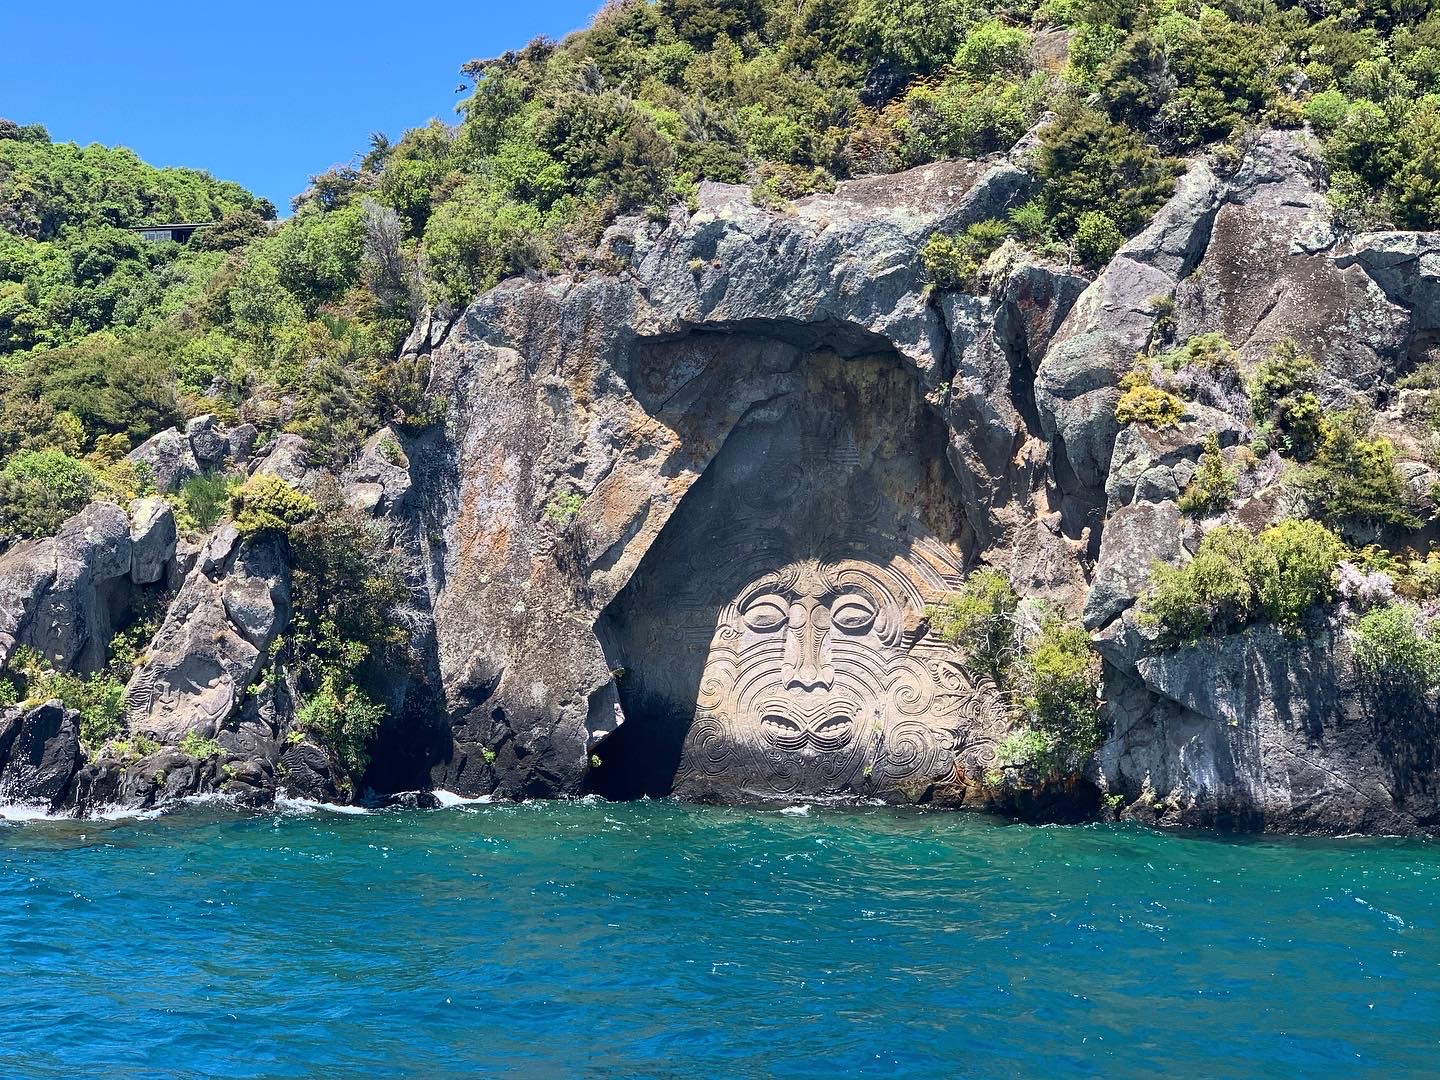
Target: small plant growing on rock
1030, 222
1142, 402
198, 746
563, 509
343, 718
1097, 239
202, 501
391, 453
979, 620
1352, 480
953, 262
1396, 651
1282, 397
1213, 485
267, 503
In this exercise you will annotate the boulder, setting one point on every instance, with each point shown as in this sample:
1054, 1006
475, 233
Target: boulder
61, 595
379, 480
168, 458
286, 457
213, 641
207, 444
152, 540
39, 754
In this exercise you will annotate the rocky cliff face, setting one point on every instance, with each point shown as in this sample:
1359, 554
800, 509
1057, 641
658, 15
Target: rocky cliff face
680, 528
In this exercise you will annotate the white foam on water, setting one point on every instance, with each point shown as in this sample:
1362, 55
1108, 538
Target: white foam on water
447, 799
310, 806
24, 812
796, 811
125, 813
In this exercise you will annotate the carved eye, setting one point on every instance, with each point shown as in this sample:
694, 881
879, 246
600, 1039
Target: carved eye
765, 613
854, 613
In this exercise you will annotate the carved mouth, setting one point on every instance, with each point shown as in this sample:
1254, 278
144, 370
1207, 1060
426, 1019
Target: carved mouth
824, 734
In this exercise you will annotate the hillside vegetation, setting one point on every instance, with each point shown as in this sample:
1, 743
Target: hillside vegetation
105, 338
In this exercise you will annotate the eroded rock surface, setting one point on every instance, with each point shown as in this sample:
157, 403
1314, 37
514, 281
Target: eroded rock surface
685, 516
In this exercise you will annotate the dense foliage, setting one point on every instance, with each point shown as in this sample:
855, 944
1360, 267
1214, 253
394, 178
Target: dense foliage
103, 334
1044, 662
345, 589
1237, 578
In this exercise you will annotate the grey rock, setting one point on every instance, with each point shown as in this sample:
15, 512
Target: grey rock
379, 480
152, 540
169, 459
39, 754
64, 594
1077, 384
1406, 267
1136, 537
286, 457
240, 443
207, 444
213, 640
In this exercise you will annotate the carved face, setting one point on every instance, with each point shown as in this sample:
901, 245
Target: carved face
814, 683
779, 621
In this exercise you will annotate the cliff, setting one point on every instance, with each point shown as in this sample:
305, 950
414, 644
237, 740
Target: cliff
687, 518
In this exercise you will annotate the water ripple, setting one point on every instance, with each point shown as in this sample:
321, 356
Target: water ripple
660, 940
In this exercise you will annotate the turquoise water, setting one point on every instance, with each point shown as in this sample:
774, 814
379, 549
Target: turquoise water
656, 939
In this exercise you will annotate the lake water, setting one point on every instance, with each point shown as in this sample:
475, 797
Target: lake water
657, 939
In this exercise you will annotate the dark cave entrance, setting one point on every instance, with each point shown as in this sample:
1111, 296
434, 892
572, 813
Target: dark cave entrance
765, 639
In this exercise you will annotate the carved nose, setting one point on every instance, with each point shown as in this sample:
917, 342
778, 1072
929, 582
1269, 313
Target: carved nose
807, 648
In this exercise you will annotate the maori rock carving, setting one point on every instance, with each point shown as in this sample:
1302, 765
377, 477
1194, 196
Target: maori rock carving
779, 621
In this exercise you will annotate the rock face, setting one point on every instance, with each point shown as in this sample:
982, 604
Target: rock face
213, 640
39, 754
684, 523
585, 412
64, 595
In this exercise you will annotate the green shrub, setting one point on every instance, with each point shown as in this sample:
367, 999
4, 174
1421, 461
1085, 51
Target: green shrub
979, 620
479, 238
1236, 578
1352, 479
198, 746
98, 698
1210, 352
1213, 485
1088, 164
1096, 238
1059, 680
344, 719
39, 489
1029, 221
1296, 569
266, 502
1326, 110
954, 262
1212, 594
992, 48
1282, 396
1056, 677
1395, 650
202, 500
1142, 402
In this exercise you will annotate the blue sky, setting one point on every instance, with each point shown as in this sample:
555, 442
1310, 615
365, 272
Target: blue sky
264, 92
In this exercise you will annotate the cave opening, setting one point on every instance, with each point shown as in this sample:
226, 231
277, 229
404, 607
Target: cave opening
774, 640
